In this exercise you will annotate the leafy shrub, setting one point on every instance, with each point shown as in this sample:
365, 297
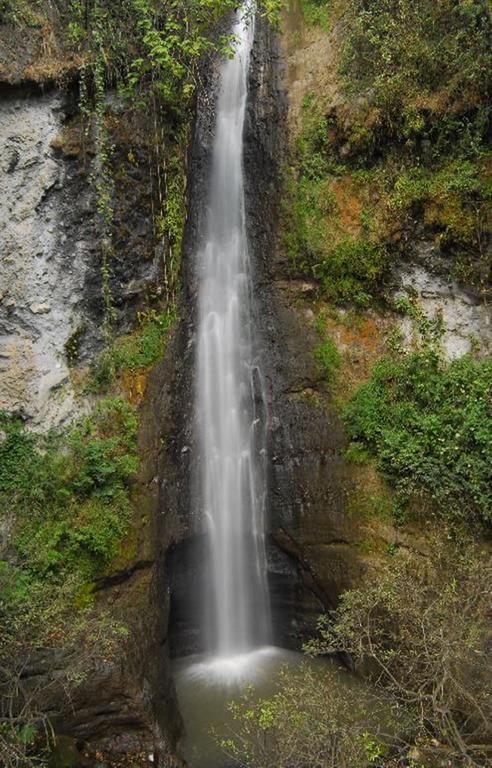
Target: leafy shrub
20, 13
69, 493
350, 268
316, 12
418, 55
35, 619
146, 346
352, 271
16, 455
329, 358
314, 718
429, 424
452, 198
419, 631
416, 116
420, 627
66, 496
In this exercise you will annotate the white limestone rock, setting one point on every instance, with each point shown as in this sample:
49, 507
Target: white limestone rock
40, 291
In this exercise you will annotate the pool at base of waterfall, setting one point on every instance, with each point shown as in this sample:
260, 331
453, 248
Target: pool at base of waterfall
207, 685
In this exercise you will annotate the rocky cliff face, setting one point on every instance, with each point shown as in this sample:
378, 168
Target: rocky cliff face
51, 312
45, 258
51, 303
310, 558
327, 527
466, 317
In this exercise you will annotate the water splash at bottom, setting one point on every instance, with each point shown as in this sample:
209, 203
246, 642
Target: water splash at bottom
231, 671
206, 686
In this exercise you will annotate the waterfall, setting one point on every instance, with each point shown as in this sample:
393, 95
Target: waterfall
229, 398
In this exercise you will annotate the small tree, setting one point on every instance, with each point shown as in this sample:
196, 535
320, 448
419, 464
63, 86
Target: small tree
315, 720
419, 633
420, 630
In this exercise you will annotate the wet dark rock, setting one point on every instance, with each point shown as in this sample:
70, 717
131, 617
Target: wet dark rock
311, 560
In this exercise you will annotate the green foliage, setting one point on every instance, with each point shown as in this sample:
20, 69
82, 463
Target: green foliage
16, 451
150, 51
141, 349
414, 127
327, 355
69, 492
427, 66
145, 347
453, 199
457, 183
350, 268
35, 619
19, 13
172, 41
429, 424
357, 454
416, 54
271, 10
65, 501
420, 627
352, 271
314, 718
171, 220
312, 141
316, 12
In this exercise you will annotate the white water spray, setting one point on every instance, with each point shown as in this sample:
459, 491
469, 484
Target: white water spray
229, 399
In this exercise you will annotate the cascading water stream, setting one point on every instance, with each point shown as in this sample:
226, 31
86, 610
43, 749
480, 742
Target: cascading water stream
229, 399
231, 420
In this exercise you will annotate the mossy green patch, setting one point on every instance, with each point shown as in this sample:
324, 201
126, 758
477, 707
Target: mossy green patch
327, 354
316, 13
138, 350
429, 425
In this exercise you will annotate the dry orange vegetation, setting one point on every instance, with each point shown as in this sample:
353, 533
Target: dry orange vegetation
362, 340
349, 204
134, 384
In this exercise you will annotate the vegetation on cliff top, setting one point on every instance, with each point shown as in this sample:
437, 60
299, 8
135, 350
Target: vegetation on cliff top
405, 153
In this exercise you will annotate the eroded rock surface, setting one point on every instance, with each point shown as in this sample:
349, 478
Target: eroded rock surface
466, 319
51, 295
42, 266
